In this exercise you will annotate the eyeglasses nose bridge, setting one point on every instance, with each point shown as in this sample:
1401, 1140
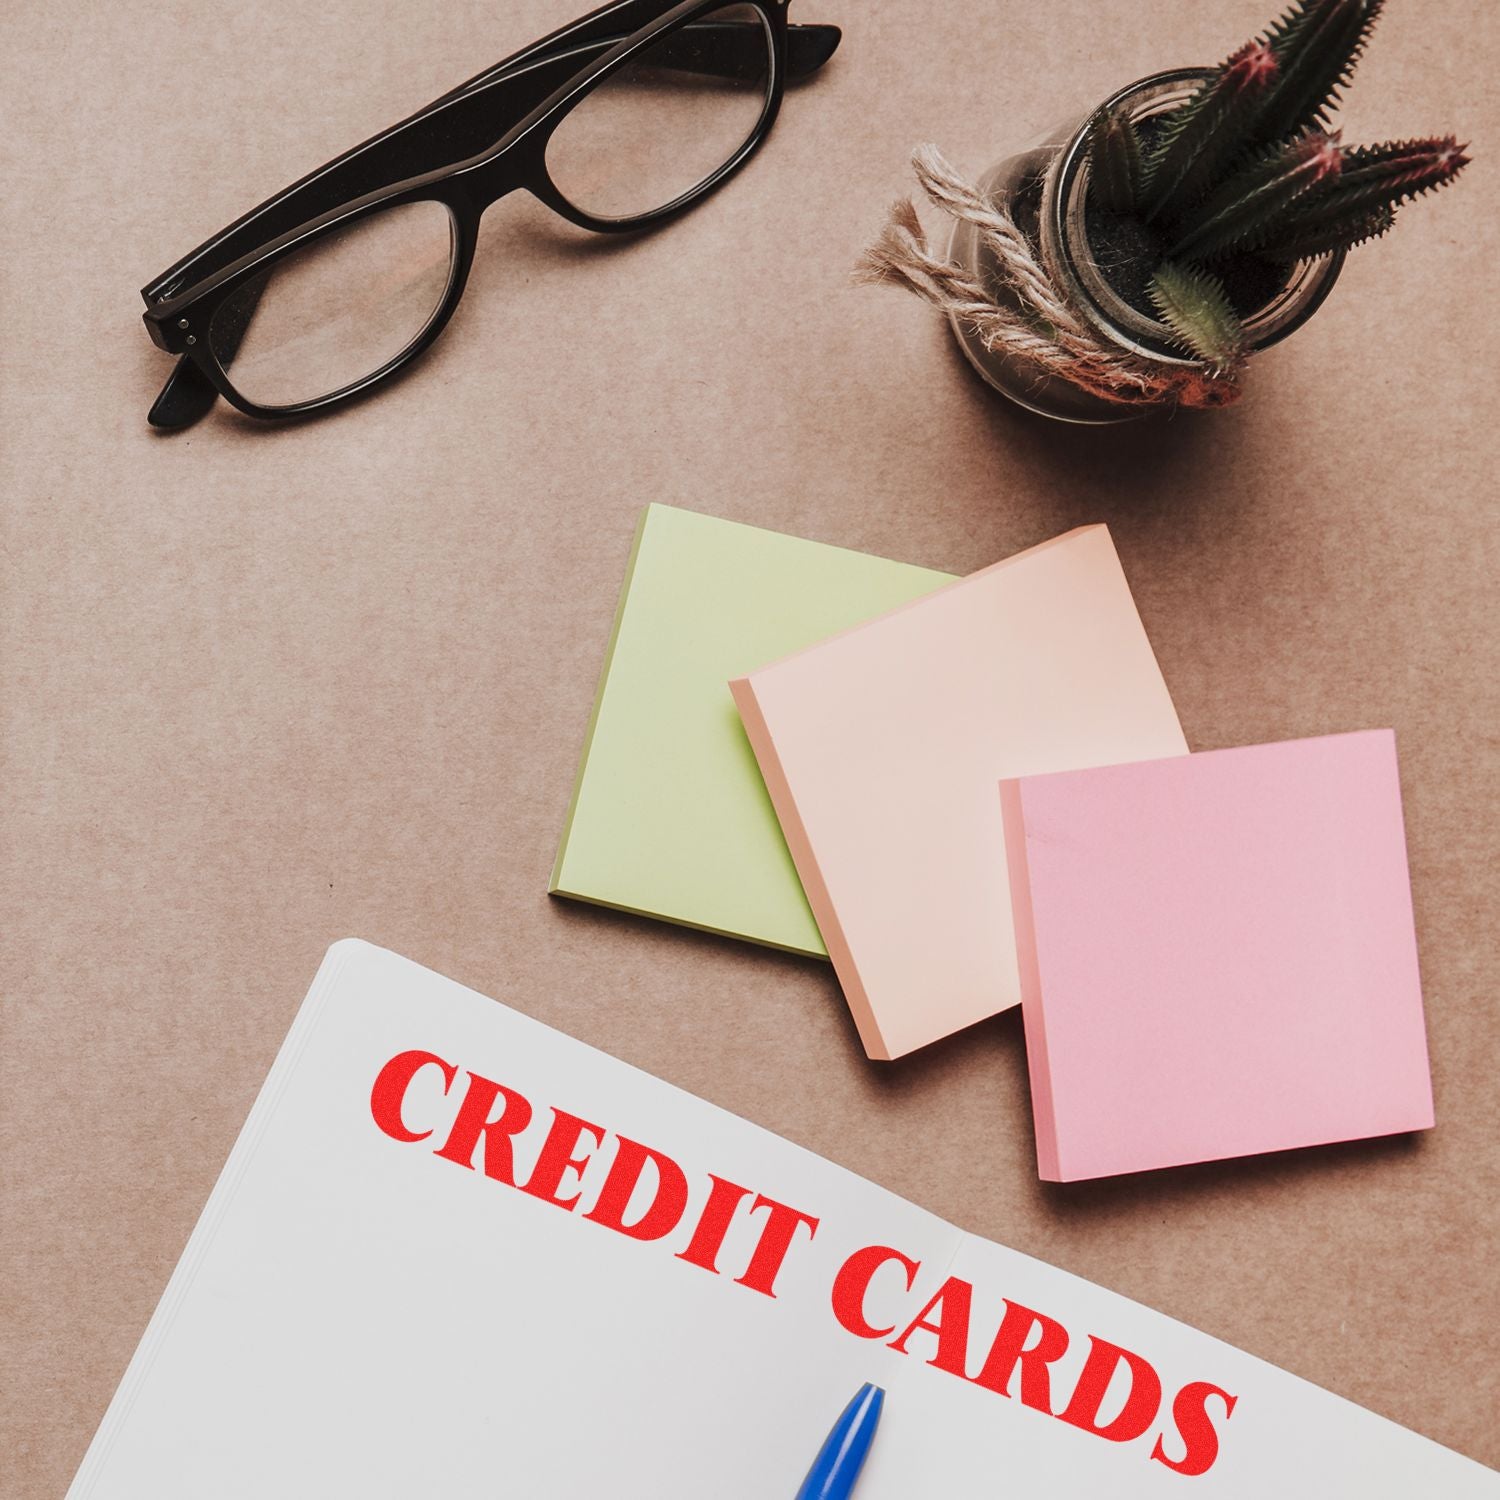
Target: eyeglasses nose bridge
479, 187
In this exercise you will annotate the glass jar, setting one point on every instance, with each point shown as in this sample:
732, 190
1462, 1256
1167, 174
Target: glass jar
1045, 189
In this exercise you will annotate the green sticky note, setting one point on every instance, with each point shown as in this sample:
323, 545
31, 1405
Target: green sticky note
670, 817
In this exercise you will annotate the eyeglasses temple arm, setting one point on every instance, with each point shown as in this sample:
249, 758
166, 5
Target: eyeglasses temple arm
391, 156
808, 48
737, 49
717, 49
371, 165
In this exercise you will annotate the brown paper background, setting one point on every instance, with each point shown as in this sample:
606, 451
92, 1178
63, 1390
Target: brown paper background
264, 689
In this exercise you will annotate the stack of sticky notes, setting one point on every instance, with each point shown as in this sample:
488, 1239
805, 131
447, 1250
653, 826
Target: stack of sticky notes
883, 748
975, 793
670, 817
1217, 955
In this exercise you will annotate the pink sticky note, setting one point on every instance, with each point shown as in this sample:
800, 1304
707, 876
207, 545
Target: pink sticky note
881, 748
1217, 955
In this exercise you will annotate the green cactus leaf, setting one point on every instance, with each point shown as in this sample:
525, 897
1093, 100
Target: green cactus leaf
1317, 45
1384, 176
1202, 136
1322, 237
1371, 180
1236, 214
1115, 164
1193, 304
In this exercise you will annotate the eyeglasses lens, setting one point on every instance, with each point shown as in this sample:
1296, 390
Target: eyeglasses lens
656, 127
339, 309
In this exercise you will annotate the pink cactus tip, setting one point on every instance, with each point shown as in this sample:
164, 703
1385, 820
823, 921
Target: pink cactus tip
1323, 154
1252, 67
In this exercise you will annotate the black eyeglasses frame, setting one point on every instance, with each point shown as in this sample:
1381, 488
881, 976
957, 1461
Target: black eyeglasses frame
182, 302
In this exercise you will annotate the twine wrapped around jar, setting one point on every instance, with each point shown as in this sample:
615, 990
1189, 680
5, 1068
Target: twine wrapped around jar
1038, 326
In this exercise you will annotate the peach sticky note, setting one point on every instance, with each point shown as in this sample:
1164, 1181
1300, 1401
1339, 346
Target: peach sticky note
1217, 955
881, 748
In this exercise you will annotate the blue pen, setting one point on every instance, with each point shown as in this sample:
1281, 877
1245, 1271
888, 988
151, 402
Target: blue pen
842, 1455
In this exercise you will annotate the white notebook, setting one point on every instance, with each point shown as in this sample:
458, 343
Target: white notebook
672, 1305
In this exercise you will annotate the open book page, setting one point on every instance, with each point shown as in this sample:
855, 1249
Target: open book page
457, 1253
358, 1315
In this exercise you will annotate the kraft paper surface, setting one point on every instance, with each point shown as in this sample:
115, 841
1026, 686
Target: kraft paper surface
262, 689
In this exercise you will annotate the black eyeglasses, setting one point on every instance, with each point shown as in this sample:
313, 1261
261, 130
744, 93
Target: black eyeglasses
619, 122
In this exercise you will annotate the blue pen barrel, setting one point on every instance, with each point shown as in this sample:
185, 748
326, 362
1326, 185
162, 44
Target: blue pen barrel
842, 1455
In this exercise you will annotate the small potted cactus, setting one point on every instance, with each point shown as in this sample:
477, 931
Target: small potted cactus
1138, 257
